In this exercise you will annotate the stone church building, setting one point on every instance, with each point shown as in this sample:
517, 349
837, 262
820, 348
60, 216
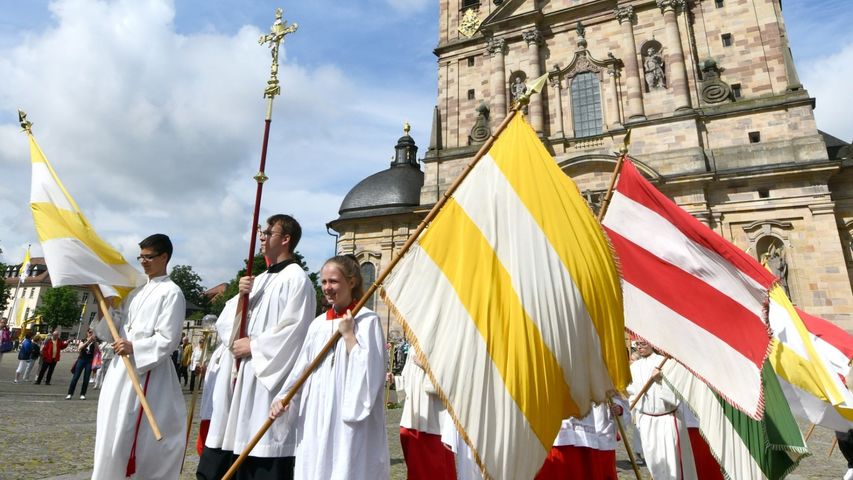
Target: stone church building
719, 122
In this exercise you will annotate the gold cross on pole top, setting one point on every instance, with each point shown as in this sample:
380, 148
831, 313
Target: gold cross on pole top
277, 32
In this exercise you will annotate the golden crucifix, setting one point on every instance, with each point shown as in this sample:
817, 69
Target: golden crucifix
277, 32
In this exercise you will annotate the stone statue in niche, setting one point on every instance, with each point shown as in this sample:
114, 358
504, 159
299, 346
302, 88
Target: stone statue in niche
518, 89
480, 132
653, 68
774, 260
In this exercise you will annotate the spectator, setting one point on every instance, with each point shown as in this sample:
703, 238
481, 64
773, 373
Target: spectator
24, 356
83, 365
50, 353
35, 354
5, 339
186, 352
195, 364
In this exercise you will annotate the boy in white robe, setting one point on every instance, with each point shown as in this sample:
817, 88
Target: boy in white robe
152, 316
666, 443
341, 407
282, 302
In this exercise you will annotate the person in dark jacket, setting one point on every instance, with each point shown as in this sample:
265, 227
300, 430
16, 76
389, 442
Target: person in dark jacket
85, 355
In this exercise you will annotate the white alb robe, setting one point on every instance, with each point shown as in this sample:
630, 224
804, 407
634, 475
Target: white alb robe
153, 317
341, 422
661, 425
282, 306
422, 407
597, 430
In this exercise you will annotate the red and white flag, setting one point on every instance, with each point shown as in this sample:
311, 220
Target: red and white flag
690, 292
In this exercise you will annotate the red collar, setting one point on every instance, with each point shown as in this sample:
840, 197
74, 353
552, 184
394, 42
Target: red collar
332, 315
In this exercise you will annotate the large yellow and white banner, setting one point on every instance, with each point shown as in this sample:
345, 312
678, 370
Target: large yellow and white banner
512, 297
74, 253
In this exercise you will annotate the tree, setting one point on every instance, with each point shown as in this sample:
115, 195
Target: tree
190, 284
60, 307
4, 289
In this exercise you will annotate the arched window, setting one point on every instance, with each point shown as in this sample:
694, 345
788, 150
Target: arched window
586, 105
368, 275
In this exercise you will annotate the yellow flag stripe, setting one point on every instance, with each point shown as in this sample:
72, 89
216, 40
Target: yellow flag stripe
556, 205
532, 375
812, 367
54, 223
37, 156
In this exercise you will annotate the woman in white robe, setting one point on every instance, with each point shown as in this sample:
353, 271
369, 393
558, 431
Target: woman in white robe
341, 411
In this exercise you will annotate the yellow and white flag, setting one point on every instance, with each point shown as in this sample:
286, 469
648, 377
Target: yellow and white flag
24, 271
512, 296
74, 253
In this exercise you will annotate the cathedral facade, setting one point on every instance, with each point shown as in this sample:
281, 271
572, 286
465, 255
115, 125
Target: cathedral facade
719, 122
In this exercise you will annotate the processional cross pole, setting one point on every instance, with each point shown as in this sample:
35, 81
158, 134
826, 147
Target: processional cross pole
278, 31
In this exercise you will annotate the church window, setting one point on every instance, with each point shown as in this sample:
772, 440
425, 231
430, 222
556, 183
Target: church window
727, 39
92, 318
719, 3
471, 94
470, 4
736, 90
754, 137
763, 193
368, 275
586, 105
470, 61
32, 291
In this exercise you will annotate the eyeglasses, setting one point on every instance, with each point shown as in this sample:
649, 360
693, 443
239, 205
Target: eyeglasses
267, 233
148, 258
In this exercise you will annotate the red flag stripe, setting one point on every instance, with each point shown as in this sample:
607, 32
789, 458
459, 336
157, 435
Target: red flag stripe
828, 332
634, 186
691, 298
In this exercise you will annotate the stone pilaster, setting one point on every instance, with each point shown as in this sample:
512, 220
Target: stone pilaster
557, 86
613, 120
675, 53
625, 15
534, 39
497, 48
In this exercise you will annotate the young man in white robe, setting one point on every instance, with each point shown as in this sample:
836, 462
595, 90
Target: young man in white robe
152, 318
427, 458
666, 443
341, 408
282, 303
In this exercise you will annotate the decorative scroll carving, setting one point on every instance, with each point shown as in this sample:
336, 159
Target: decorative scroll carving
713, 90
480, 131
672, 5
624, 13
496, 46
532, 36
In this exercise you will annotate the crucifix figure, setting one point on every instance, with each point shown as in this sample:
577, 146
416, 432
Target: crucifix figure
277, 32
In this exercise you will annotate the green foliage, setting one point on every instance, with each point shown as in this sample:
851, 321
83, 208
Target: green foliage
5, 291
259, 266
190, 284
60, 307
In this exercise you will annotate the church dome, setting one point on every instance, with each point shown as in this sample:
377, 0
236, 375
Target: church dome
394, 190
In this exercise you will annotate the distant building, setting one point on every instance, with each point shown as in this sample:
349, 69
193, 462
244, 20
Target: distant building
26, 297
719, 120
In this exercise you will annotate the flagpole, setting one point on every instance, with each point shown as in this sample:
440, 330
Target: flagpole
623, 153
523, 100
128, 365
274, 39
624, 439
648, 385
191, 412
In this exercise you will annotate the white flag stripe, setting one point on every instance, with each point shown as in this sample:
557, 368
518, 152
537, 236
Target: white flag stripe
46, 190
73, 263
836, 361
806, 406
648, 230
451, 344
524, 258
684, 338
784, 329
713, 421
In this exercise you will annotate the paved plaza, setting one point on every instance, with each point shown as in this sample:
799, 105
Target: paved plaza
44, 436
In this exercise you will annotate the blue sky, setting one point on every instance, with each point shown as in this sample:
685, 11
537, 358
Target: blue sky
151, 112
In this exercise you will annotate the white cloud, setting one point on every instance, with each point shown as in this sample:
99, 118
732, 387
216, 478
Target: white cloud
828, 80
155, 131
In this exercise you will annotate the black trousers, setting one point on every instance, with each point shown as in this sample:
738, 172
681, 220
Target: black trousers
46, 367
845, 445
214, 462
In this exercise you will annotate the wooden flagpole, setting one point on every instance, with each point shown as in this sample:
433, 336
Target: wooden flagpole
648, 385
624, 439
387, 270
274, 39
128, 365
623, 153
191, 412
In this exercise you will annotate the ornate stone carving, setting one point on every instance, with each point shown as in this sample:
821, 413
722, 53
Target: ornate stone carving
713, 89
480, 131
673, 5
774, 260
581, 36
624, 13
653, 66
554, 78
517, 88
532, 36
470, 23
496, 46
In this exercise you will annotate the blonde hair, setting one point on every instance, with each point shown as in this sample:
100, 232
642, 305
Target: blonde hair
349, 267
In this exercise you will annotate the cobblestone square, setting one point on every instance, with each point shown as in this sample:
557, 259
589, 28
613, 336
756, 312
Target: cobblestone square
44, 436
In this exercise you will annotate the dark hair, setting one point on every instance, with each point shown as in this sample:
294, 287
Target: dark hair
160, 243
289, 226
348, 266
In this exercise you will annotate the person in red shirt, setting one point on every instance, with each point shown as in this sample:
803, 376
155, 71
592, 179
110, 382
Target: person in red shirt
50, 352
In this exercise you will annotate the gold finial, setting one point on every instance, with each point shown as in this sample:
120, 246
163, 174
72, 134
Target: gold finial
25, 124
406, 128
277, 32
470, 23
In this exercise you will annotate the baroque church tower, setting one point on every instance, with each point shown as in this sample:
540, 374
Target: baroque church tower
719, 121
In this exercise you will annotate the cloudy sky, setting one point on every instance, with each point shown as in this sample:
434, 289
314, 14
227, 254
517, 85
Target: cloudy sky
151, 111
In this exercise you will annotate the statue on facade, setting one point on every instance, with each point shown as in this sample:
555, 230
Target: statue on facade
518, 88
774, 260
653, 67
